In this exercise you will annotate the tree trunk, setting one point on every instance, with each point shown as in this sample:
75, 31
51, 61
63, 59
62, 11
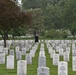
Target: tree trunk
4, 38
4, 42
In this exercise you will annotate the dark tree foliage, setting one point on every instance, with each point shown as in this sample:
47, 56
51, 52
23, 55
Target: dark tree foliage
11, 16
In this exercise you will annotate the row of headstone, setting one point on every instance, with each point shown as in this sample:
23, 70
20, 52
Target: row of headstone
55, 53
25, 44
42, 57
22, 64
16, 42
42, 69
8, 42
32, 53
62, 52
22, 51
62, 43
11, 52
58, 50
74, 56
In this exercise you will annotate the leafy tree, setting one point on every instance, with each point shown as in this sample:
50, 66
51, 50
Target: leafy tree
53, 2
37, 20
42, 4
62, 3
11, 16
20, 31
56, 34
53, 15
73, 29
70, 15
58, 14
28, 4
52, 11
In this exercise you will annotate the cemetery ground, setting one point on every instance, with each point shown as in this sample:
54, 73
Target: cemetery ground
32, 68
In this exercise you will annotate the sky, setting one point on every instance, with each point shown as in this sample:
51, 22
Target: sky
20, 1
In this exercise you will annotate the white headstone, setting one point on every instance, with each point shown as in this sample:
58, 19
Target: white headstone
61, 52
1, 48
2, 58
73, 52
11, 52
17, 48
66, 56
55, 59
50, 49
73, 47
41, 53
42, 49
10, 62
6, 51
74, 63
57, 48
68, 49
64, 46
42, 61
28, 58
51, 54
23, 51
32, 53
43, 71
62, 68
13, 44
21, 67
18, 55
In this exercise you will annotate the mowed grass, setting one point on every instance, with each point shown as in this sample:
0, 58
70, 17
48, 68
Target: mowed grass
32, 68
54, 69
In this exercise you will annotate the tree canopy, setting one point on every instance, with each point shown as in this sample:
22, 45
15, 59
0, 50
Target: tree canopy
11, 16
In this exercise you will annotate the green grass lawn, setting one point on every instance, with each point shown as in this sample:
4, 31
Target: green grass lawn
32, 68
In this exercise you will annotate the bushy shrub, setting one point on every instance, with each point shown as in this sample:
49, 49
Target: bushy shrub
64, 34
55, 34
